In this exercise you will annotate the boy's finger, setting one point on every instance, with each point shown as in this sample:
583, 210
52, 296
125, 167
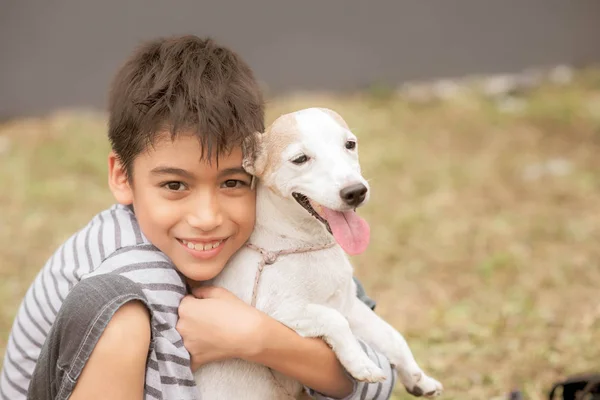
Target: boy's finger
187, 300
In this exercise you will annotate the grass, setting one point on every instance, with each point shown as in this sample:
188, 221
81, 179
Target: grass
485, 224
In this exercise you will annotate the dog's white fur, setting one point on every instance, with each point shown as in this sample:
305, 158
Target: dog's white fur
313, 292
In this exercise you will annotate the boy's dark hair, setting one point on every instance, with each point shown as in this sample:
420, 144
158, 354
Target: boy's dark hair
183, 83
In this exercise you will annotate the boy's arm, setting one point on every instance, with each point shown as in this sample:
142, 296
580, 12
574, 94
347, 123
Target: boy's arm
360, 390
315, 365
369, 391
217, 325
119, 357
308, 360
230, 328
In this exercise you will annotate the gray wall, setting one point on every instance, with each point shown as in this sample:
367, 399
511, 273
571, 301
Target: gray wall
58, 53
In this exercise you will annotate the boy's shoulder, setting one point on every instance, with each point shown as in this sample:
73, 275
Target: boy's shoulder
116, 228
113, 235
124, 250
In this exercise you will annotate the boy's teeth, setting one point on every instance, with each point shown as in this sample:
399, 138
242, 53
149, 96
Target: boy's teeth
201, 246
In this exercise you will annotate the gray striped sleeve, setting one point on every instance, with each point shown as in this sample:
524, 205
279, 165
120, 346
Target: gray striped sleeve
88, 252
114, 233
11, 389
18, 367
371, 391
69, 263
76, 266
94, 242
33, 294
3, 383
67, 284
33, 321
19, 328
136, 229
45, 286
100, 246
117, 232
23, 353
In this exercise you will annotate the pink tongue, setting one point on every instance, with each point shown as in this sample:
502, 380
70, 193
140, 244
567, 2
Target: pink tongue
350, 231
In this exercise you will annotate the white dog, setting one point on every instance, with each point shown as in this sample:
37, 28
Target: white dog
310, 184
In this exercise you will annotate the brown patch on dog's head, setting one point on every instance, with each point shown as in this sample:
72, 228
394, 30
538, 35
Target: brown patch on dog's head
262, 158
253, 153
337, 117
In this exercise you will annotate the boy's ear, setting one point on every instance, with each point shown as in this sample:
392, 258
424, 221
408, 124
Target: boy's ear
255, 155
118, 180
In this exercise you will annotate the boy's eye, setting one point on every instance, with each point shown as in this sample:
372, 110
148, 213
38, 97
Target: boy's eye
234, 183
174, 186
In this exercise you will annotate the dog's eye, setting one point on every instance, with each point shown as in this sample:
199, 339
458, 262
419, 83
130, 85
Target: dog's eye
350, 144
300, 159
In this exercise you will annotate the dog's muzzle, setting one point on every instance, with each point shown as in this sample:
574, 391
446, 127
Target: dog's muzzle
305, 203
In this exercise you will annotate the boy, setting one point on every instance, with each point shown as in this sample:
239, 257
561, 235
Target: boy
108, 317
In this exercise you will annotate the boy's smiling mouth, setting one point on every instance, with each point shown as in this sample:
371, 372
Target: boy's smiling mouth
203, 249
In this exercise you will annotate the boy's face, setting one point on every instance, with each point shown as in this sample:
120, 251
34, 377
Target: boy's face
196, 213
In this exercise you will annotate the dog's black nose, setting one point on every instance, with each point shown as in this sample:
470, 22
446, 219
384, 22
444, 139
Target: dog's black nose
353, 195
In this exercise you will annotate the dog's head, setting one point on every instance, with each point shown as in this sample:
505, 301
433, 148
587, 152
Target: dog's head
311, 158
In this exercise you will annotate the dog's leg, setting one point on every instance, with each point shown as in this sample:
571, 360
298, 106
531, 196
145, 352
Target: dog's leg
316, 320
369, 327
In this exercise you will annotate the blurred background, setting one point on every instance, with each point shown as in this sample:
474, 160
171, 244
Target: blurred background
479, 124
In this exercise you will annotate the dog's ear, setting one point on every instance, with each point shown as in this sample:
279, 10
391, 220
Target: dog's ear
255, 155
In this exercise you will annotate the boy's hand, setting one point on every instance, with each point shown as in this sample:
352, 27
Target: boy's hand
216, 325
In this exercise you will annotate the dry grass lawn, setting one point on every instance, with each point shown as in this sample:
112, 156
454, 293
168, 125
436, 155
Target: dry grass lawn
485, 224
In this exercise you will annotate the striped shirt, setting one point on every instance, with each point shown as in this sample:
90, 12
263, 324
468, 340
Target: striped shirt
113, 243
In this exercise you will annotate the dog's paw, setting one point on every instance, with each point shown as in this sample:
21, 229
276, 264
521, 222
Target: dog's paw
364, 370
424, 385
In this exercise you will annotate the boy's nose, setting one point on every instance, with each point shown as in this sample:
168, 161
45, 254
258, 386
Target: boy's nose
206, 216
